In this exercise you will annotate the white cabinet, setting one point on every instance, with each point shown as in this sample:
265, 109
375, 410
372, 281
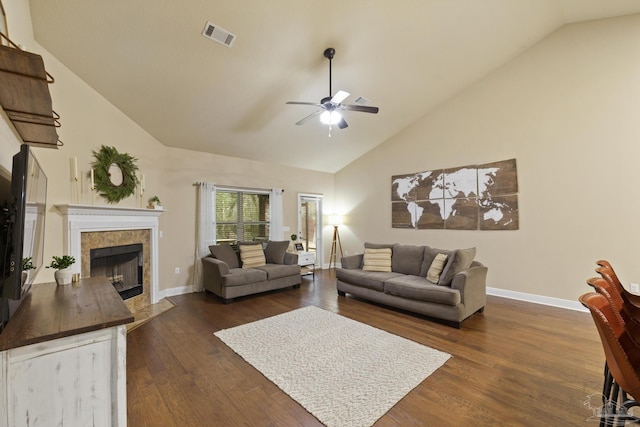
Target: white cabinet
73, 381
307, 261
63, 357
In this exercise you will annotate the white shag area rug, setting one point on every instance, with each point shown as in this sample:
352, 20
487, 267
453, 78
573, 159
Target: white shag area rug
344, 372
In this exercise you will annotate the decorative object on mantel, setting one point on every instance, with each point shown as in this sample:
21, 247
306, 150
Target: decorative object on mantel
483, 197
63, 273
114, 174
154, 203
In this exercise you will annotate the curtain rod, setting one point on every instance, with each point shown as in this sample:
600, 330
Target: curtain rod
236, 188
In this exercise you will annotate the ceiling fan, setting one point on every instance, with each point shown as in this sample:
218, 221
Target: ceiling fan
330, 106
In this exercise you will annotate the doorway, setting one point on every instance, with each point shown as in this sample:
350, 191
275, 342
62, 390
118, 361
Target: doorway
310, 224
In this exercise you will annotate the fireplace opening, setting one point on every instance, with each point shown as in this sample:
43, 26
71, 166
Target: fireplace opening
122, 265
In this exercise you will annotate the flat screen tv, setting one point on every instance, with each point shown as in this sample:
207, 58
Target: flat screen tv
22, 220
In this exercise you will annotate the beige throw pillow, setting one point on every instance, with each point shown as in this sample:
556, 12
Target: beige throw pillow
377, 259
252, 256
433, 275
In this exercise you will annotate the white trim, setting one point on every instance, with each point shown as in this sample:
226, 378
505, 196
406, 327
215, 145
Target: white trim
537, 299
82, 218
171, 292
319, 223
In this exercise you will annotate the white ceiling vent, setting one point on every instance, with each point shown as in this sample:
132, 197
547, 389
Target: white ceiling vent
218, 34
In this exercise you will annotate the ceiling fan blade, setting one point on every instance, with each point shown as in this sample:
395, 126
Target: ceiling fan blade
340, 96
304, 103
342, 123
361, 108
309, 117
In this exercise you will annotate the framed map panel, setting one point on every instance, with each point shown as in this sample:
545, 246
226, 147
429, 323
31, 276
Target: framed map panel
430, 185
431, 217
403, 187
460, 182
499, 213
461, 214
400, 215
498, 178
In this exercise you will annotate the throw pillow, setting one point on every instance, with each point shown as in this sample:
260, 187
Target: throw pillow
377, 259
275, 250
462, 260
252, 256
429, 255
433, 275
225, 253
407, 259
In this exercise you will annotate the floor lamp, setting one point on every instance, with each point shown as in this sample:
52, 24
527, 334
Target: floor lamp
335, 244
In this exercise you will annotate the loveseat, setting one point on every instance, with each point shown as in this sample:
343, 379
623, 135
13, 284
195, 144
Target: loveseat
444, 284
252, 269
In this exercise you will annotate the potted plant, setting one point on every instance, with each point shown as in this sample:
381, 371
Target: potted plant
62, 265
27, 264
155, 203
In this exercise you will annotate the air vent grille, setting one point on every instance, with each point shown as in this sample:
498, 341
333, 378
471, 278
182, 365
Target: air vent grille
218, 34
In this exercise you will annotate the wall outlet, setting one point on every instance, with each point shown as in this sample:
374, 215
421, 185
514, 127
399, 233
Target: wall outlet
177, 270
635, 288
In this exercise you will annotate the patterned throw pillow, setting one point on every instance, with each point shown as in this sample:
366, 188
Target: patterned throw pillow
377, 259
252, 256
433, 275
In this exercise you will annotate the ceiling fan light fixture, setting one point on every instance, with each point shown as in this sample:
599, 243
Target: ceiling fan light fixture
330, 117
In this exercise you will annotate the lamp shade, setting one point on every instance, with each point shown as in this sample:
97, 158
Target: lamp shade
335, 220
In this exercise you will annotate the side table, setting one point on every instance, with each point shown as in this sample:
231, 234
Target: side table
307, 260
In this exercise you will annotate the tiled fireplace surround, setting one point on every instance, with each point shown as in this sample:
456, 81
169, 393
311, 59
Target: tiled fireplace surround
89, 227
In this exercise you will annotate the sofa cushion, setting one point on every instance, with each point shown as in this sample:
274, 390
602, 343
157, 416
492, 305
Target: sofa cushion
377, 259
461, 261
276, 271
407, 259
252, 256
367, 279
225, 253
430, 255
240, 276
419, 288
275, 250
433, 275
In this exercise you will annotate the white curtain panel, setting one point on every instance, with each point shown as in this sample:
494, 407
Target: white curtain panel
206, 230
275, 202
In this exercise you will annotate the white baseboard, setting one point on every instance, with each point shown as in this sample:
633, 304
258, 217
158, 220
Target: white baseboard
176, 291
537, 299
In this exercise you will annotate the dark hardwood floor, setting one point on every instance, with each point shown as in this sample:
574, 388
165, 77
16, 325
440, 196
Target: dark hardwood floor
515, 364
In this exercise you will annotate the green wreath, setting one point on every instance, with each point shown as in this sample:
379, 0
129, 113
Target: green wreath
106, 157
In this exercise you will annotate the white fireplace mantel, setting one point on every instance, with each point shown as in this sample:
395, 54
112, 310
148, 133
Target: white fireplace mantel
80, 219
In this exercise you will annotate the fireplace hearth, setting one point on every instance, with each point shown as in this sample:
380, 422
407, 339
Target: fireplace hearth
122, 265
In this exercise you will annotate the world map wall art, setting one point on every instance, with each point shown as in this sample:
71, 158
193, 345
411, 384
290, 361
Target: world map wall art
479, 197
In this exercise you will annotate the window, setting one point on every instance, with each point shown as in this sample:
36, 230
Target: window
242, 216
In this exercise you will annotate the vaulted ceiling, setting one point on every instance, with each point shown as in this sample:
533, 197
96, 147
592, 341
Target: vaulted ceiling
150, 60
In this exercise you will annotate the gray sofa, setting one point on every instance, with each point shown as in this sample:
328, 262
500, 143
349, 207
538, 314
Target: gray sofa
228, 276
457, 293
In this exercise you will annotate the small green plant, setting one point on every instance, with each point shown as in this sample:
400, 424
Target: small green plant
62, 262
155, 199
294, 237
27, 264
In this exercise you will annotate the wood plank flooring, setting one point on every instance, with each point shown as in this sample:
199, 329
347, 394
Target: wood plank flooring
517, 364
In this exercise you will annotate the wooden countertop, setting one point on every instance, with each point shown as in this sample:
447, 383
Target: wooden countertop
50, 311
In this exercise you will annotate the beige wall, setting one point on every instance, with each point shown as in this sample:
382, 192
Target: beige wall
566, 110
89, 121
569, 111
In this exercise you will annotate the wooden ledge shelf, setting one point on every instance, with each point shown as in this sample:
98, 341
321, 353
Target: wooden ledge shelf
25, 97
